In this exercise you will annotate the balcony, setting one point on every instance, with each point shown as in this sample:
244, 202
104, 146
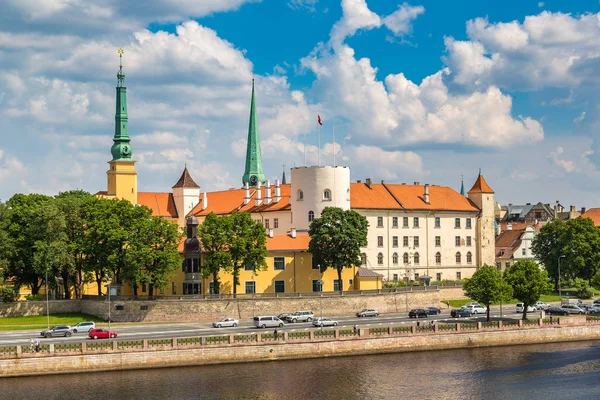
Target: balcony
193, 277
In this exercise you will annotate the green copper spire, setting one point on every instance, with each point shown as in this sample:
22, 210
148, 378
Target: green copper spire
121, 149
462, 187
253, 172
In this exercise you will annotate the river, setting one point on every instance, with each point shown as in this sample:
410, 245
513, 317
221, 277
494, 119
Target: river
552, 371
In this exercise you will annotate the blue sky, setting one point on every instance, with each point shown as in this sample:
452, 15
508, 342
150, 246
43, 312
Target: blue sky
418, 91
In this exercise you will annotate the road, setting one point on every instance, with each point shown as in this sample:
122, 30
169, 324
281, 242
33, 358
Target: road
171, 330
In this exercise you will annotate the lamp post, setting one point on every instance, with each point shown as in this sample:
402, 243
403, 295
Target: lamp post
108, 290
559, 290
321, 296
47, 304
253, 292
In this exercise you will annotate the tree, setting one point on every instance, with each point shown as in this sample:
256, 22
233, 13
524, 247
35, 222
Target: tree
248, 245
215, 235
548, 246
528, 282
486, 286
336, 238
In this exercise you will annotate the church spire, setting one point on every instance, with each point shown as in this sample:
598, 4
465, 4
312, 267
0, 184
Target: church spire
121, 149
283, 180
462, 184
253, 172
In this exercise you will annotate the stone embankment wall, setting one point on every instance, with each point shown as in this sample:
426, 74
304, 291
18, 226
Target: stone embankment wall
25, 308
179, 352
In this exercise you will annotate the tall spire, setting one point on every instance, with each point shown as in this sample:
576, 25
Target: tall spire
283, 180
462, 184
121, 149
253, 172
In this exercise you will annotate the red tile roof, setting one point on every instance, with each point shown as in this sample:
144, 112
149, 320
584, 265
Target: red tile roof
377, 197
161, 204
508, 242
186, 181
287, 243
481, 186
593, 214
440, 198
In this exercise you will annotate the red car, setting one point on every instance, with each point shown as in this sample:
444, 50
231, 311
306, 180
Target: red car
98, 333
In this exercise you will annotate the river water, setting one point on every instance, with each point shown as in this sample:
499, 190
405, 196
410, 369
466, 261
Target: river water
552, 371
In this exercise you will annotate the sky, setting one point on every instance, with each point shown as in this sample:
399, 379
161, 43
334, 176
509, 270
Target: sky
425, 91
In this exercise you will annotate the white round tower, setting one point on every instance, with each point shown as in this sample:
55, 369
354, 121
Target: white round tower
314, 188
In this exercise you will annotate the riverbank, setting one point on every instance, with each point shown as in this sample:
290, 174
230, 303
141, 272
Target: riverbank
159, 353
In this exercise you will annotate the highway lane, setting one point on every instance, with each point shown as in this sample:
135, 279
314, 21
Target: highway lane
157, 331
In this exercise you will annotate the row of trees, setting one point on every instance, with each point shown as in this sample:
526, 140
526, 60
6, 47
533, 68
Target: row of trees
80, 239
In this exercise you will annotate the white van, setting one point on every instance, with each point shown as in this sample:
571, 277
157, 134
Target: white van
520, 306
267, 322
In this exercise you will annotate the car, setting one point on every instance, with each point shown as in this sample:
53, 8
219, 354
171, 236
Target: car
586, 307
597, 301
476, 308
83, 327
301, 316
540, 305
595, 309
368, 312
417, 313
225, 322
556, 311
267, 322
324, 322
461, 313
472, 303
520, 306
98, 333
283, 316
58, 330
572, 309
433, 310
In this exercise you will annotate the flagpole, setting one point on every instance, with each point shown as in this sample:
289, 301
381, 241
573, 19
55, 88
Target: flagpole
333, 134
304, 145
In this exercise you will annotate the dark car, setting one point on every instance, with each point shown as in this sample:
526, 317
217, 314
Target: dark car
433, 310
284, 316
417, 313
557, 311
58, 330
461, 313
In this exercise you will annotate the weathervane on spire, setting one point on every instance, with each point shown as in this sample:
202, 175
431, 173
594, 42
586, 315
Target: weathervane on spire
120, 74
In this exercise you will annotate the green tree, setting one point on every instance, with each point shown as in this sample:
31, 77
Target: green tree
336, 238
548, 246
596, 280
486, 286
215, 235
528, 282
248, 245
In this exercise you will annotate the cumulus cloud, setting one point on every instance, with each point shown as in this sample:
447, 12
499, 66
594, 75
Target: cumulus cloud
579, 118
308, 5
566, 165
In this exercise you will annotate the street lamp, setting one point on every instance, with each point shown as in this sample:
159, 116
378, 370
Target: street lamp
108, 290
321, 296
47, 304
559, 290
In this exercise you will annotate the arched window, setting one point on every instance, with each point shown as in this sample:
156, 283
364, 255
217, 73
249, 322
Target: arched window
348, 194
405, 258
458, 258
363, 259
300, 195
326, 194
469, 258
438, 258
311, 215
380, 259
416, 258
395, 258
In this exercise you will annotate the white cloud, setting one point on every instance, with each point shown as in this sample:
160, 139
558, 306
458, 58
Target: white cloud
566, 165
400, 22
540, 4
579, 118
392, 165
161, 139
308, 5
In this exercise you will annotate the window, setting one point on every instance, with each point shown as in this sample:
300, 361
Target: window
394, 222
350, 283
415, 222
380, 222
524, 252
144, 287
279, 263
327, 194
416, 241
279, 286
456, 222
507, 265
438, 241
336, 285
468, 240
405, 241
405, 222
458, 276
395, 241
379, 241
249, 266
275, 223
316, 285
250, 287
457, 241
469, 258
314, 264
311, 216
300, 195
173, 290
438, 258
468, 223
211, 288
363, 259
348, 194
379, 259
416, 258
458, 257
416, 277
267, 224
395, 277
437, 222
395, 258
405, 258
438, 276
499, 266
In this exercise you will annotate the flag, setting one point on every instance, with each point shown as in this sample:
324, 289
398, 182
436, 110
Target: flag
319, 120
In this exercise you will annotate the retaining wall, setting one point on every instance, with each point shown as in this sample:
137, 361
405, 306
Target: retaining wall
26, 308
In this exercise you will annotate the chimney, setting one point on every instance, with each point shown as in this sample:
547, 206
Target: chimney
358, 181
368, 182
382, 181
417, 183
426, 194
572, 209
204, 201
270, 233
277, 191
258, 200
583, 210
509, 227
268, 193
246, 194
527, 204
293, 233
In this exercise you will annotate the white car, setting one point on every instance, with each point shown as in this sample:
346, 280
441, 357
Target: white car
476, 308
84, 327
324, 322
540, 305
225, 322
520, 307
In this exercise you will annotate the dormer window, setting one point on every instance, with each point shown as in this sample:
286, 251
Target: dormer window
327, 195
300, 195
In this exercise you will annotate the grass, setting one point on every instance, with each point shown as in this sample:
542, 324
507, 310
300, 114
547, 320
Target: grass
41, 321
457, 303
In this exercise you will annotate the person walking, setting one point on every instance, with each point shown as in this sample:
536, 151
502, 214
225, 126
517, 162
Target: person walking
37, 346
355, 330
275, 334
31, 345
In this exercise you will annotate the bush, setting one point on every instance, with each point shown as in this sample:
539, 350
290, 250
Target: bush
9, 294
35, 297
583, 289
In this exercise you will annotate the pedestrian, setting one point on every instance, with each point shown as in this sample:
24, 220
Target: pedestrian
431, 324
37, 346
275, 334
31, 344
355, 330
418, 324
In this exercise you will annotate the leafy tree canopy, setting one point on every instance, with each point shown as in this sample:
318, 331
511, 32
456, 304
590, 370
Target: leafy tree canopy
486, 286
528, 282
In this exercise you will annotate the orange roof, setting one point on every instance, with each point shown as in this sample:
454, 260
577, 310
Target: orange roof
288, 243
411, 197
593, 214
507, 243
377, 197
161, 204
481, 186
228, 201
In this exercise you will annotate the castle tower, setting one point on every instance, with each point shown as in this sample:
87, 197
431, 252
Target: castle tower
186, 194
122, 176
483, 196
253, 172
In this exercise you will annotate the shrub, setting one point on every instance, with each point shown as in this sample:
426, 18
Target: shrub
9, 294
35, 297
583, 289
